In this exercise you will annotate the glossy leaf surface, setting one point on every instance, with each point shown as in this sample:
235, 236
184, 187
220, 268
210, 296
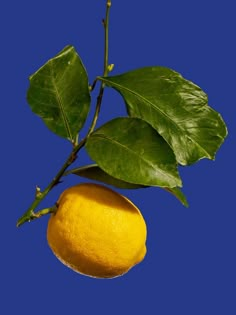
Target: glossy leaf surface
175, 107
131, 150
59, 93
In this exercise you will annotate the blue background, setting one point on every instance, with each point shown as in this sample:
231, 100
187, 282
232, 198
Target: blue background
190, 264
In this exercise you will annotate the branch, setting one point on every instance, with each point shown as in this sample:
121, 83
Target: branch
39, 196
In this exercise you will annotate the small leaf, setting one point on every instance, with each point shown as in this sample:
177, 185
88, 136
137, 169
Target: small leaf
59, 93
175, 107
131, 150
178, 194
96, 173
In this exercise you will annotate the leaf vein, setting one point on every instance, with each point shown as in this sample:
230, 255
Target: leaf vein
159, 170
60, 103
163, 113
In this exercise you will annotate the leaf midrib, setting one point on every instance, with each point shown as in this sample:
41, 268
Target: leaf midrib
61, 107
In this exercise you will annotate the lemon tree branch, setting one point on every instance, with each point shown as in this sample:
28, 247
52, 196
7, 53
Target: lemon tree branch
30, 214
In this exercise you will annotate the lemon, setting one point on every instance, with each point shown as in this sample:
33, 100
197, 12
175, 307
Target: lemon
96, 231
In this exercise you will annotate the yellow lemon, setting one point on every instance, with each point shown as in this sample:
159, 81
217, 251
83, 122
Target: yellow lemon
96, 231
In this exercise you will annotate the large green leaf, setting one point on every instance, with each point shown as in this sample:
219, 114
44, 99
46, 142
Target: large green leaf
59, 93
131, 150
175, 107
94, 172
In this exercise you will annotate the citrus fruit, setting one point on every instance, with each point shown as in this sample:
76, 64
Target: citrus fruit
96, 231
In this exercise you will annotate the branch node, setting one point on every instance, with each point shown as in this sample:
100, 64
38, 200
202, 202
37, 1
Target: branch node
110, 67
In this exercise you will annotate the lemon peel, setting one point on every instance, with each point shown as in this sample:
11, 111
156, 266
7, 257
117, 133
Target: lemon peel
96, 231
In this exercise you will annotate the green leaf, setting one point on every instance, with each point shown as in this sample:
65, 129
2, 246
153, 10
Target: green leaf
59, 93
175, 107
131, 150
94, 172
178, 194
